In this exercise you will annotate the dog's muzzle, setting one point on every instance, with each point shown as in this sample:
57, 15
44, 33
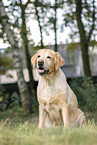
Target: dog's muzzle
41, 69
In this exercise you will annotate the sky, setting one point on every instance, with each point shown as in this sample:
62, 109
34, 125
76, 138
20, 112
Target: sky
47, 39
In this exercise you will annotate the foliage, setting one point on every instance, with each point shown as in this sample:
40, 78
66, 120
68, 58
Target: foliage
3, 98
72, 46
86, 93
7, 101
5, 64
81, 17
87, 10
23, 88
14, 100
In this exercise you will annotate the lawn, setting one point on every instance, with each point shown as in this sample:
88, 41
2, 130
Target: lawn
17, 129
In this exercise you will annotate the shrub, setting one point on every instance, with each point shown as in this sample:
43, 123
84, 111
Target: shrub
14, 100
86, 93
7, 101
2, 96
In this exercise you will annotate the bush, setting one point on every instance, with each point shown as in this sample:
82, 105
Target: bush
86, 93
7, 101
14, 100
2, 96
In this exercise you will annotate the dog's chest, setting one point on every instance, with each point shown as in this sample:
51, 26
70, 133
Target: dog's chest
50, 101
50, 92
49, 98
47, 92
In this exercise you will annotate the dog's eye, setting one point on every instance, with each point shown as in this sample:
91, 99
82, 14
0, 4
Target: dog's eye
49, 57
38, 56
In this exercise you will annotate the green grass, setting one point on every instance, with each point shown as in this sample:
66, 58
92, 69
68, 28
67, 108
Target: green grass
17, 129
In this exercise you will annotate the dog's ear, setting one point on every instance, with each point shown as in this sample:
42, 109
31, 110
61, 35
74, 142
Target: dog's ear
33, 60
59, 61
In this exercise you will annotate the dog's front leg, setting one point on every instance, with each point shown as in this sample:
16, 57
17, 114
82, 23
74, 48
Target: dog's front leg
65, 114
42, 117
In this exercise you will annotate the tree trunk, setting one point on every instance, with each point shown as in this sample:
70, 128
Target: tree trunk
40, 27
27, 54
85, 59
83, 39
55, 27
23, 87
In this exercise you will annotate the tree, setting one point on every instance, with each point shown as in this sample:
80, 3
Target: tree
53, 20
51, 17
55, 25
24, 33
20, 12
80, 14
39, 18
84, 37
23, 88
46, 13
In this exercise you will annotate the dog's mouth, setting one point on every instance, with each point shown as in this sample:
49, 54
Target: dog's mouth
42, 71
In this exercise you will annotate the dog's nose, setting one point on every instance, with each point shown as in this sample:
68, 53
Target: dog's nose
40, 62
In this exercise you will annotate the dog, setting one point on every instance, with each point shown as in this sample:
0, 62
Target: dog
57, 102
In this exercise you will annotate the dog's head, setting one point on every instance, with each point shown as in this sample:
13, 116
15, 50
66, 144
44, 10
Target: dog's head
47, 61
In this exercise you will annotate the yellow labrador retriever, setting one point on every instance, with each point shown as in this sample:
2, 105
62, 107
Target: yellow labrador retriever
57, 102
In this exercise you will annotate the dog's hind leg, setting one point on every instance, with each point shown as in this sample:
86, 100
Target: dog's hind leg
80, 119
48, 123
